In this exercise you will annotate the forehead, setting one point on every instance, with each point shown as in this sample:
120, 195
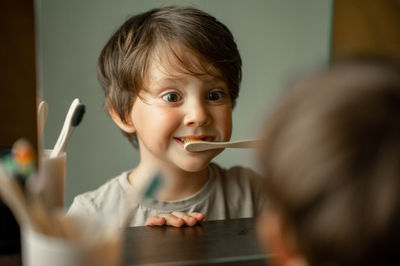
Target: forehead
175, 62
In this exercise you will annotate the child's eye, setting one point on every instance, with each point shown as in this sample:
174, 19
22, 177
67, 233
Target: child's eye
172, 97
215, 95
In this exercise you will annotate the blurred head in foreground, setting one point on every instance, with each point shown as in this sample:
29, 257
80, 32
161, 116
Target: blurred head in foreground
332, 163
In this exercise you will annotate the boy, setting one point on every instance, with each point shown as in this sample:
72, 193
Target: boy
170, 75
332, 160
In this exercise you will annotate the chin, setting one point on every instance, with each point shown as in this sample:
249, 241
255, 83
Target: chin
195, 166
200, 161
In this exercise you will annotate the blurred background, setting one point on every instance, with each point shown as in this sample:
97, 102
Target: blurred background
278, 40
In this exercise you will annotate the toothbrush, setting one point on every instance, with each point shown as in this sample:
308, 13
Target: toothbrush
18, 194
43, 112
207, 145
13, 195
72, 120
146, 189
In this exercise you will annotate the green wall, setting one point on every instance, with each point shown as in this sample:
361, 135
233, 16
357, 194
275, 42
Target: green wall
277, 39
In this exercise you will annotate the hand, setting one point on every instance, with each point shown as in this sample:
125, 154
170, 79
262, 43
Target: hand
176, 219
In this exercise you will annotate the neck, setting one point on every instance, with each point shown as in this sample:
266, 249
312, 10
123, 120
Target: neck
178, 184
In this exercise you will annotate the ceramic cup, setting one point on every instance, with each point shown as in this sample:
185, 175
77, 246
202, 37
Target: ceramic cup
43, 250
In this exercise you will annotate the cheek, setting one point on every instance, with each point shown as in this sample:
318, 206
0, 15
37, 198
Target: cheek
223, 119
160, 124
166, 121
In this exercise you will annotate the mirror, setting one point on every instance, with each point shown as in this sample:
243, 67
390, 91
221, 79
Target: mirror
276, 39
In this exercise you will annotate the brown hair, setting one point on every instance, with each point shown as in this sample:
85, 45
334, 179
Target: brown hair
332, 162
124, 60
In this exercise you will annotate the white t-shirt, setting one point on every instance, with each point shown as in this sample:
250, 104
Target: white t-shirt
228, 193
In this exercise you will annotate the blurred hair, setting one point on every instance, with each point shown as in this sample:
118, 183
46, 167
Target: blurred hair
331, 156
191, 39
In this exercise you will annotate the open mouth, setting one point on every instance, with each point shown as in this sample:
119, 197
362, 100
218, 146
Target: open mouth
183, 140
186, 140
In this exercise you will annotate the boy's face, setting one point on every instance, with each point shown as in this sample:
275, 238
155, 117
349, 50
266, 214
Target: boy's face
175, 107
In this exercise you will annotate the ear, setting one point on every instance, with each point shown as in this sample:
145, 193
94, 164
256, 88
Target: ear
278, 240
127, 126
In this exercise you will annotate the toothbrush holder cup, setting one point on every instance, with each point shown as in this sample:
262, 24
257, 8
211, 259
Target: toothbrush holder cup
52, 178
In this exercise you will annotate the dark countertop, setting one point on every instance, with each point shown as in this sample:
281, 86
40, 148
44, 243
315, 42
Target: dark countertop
225, 242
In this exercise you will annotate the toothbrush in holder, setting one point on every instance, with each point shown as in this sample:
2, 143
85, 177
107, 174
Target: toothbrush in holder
43, 112
72, 120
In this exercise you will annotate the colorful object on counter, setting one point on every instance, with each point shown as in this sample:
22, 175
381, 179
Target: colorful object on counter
15, 169
21, 163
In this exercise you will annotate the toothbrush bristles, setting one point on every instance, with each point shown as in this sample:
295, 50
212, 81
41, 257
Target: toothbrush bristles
78, 115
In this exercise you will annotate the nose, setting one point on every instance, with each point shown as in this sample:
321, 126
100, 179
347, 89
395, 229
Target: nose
197, 114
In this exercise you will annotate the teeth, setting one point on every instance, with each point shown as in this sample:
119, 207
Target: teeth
186, 140
190, 140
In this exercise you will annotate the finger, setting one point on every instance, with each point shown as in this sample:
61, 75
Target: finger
189, 220
172, 220
156, 221
198, 216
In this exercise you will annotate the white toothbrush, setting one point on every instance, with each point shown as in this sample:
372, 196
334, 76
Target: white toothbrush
207, 145
43, 112
72, 120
